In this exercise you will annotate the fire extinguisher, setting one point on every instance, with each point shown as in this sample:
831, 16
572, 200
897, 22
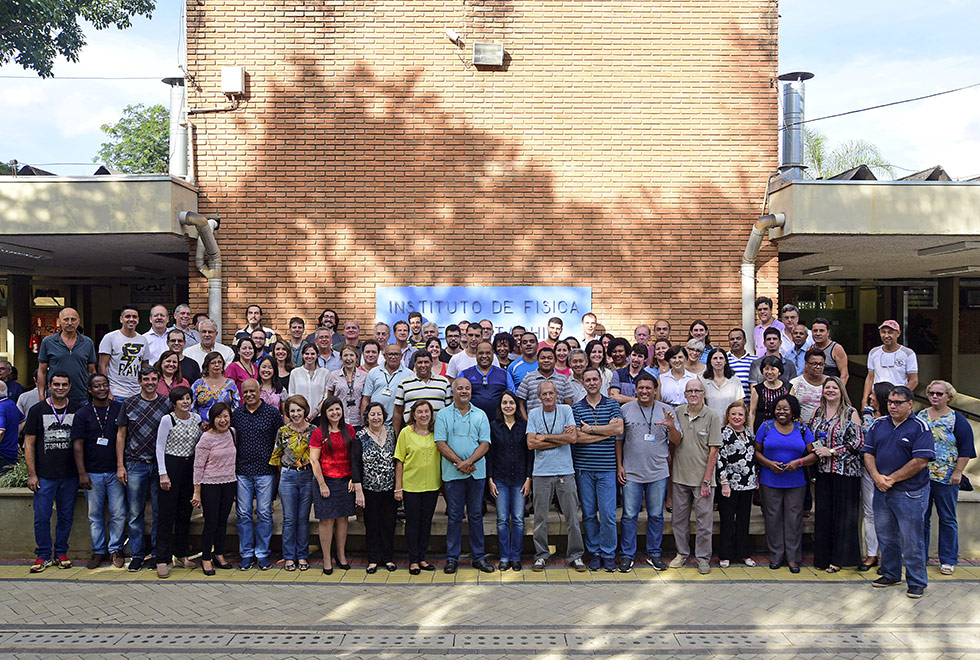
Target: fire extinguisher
36, 335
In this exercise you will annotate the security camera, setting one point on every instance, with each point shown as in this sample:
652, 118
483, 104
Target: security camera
453, 36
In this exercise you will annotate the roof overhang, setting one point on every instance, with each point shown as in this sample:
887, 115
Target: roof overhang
96, 226
875, 230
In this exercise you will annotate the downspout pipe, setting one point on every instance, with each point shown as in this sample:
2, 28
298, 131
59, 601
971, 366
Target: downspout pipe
207, 260
752, 247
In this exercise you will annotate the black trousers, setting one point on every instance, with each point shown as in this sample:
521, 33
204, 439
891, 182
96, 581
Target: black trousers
733, 516
837, 503
379, 526
173, 529
419, 508
216, 501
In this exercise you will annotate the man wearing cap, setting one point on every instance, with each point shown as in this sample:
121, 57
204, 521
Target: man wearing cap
891, 362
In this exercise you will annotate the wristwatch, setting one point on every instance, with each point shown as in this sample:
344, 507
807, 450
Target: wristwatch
705, 483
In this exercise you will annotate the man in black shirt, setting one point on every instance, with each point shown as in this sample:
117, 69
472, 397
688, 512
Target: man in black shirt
93, 432
256, 424
189, 368
51, 472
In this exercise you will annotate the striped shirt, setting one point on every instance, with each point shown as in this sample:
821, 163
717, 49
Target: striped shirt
436, 391
741, 366
528, 389
598, 456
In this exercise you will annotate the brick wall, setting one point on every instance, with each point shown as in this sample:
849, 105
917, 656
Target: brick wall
624, 145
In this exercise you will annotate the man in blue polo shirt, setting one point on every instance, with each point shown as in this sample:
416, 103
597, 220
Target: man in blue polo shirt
67, 351
896, 450
10, 418
489, 382
462, 435
600, 423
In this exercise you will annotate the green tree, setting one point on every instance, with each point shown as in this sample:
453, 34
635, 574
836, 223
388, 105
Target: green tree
34, 32
138, 142
822, 164
6, 169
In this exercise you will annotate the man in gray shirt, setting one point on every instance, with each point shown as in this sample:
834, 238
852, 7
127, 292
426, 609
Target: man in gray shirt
550, 429
642, 469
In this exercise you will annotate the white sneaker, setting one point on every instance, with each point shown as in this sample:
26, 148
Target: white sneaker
724, 563
750, 562
947, 569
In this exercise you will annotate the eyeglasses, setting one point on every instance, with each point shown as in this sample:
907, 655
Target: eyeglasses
694, 392
941, 393
893, 402
816, 364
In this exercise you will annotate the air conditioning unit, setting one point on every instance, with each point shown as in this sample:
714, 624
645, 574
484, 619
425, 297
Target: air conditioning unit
488, 54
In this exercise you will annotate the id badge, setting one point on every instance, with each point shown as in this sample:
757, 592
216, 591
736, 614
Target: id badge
102, 442
648, 437
386, 392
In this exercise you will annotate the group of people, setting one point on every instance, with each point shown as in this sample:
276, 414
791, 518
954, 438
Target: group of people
333, 422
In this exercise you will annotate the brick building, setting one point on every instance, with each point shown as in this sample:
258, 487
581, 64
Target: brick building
622, 145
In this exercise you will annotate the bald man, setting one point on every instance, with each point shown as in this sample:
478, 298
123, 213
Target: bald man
67, 351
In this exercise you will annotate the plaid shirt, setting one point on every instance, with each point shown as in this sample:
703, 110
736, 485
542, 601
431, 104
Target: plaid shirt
141, 419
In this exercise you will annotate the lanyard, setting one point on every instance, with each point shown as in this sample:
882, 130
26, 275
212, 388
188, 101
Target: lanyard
554, 421
60, 420
102, 422
649, 422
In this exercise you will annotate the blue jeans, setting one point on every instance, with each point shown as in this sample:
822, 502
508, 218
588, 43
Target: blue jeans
597, 493
898, 522
464, 493
652, 496
106, 489
54, 493
253, 539
140, 478
296, 496
944, 497
510, 521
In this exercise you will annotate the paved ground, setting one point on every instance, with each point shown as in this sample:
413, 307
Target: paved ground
737, 612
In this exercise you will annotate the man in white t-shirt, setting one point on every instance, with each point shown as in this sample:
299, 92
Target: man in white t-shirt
467, 358
121, 354
891, 362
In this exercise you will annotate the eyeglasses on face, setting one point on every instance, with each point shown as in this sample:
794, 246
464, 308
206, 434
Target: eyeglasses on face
893, 402
939, 393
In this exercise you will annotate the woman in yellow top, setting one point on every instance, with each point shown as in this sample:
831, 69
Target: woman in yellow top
292, 454
418, 477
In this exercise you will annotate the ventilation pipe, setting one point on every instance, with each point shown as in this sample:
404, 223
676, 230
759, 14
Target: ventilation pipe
178, 127
791, 155
207, 260
759, 229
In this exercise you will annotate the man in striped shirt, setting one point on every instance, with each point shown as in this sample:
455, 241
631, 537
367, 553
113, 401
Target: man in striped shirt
739, 359
600, 422
423, 386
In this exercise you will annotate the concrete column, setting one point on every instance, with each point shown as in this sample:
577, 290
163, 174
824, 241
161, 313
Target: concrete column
19, 294
949, 330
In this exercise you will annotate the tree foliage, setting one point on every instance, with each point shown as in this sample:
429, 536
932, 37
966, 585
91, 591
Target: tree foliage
6, 169
822, 164
139, 142
34, 32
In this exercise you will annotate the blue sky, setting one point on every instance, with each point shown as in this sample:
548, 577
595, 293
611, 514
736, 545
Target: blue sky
863, 53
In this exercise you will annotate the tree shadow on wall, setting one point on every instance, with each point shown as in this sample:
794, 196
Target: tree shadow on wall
407, 193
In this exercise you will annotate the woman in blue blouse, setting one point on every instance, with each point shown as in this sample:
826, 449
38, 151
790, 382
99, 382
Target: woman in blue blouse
783, 446
509, 465
954, 449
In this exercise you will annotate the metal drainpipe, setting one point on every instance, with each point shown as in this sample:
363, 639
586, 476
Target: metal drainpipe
207, 260
752, 247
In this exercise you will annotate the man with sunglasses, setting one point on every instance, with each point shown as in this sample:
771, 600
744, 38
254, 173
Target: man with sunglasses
897, 449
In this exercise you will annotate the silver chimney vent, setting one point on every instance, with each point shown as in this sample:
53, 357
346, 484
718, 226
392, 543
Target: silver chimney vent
791, 155
178, 127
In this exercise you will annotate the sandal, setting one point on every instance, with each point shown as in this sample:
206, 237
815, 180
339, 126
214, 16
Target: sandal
833, 569
304, 566
289, 566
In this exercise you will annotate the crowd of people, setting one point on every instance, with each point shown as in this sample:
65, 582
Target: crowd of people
332, 422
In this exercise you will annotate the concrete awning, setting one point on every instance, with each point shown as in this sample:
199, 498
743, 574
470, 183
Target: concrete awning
96, 226
872, 230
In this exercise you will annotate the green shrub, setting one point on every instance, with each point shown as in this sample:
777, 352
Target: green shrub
17, 476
